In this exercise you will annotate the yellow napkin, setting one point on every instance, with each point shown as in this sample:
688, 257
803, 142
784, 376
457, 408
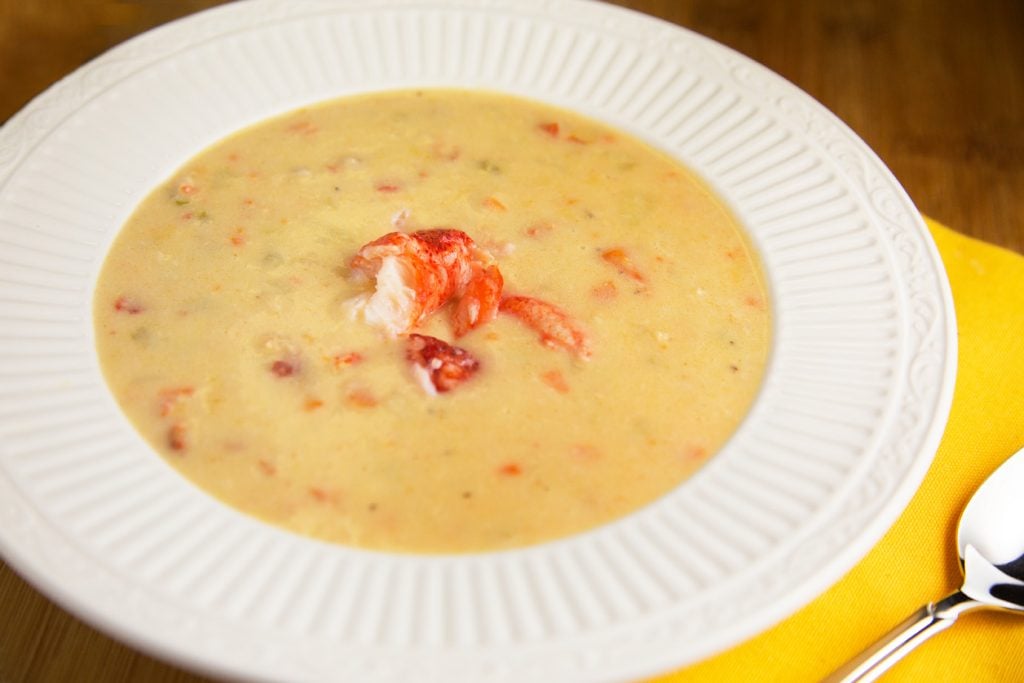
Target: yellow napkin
915, 562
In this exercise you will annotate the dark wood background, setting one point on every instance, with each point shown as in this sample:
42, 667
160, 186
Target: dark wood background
935, 87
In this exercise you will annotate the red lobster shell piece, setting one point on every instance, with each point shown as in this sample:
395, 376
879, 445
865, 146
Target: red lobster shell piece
418, 273
438, 365
556, 327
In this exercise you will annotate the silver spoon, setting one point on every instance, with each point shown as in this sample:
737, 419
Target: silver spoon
990, 542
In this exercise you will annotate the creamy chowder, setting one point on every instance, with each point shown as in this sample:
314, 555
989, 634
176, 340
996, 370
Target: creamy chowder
237, 326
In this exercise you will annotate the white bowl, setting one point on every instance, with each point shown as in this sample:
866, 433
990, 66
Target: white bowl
854, 401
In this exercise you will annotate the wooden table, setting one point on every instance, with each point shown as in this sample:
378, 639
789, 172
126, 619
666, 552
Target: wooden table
935, 87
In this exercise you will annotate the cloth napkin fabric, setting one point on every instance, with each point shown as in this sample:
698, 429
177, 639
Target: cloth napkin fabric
915, 562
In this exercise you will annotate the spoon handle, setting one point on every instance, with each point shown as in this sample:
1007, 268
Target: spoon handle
890, 648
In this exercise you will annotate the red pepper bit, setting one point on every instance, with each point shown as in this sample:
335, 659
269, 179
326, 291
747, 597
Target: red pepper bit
388, 188
176, 437
620, 259
511, 469
303, 127
549, 128
283, 368
267, 467
694, 453
494, 204
539, 229
125, 305
555, 380
606, 291
322, 495
312, 404
341, 360
361, 398
170, 398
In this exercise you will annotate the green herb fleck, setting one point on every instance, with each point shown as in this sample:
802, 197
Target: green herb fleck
489, 166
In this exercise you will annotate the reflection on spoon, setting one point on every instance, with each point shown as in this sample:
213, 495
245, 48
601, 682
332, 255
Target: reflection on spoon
990, 543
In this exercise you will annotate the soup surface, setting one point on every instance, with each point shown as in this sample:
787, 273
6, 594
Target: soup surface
232, 323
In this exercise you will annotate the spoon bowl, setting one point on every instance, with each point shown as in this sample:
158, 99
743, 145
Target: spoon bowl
990, 544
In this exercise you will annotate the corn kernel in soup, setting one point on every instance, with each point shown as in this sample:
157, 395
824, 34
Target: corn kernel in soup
433, 321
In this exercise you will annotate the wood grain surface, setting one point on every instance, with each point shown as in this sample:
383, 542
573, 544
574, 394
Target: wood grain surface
935, 87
